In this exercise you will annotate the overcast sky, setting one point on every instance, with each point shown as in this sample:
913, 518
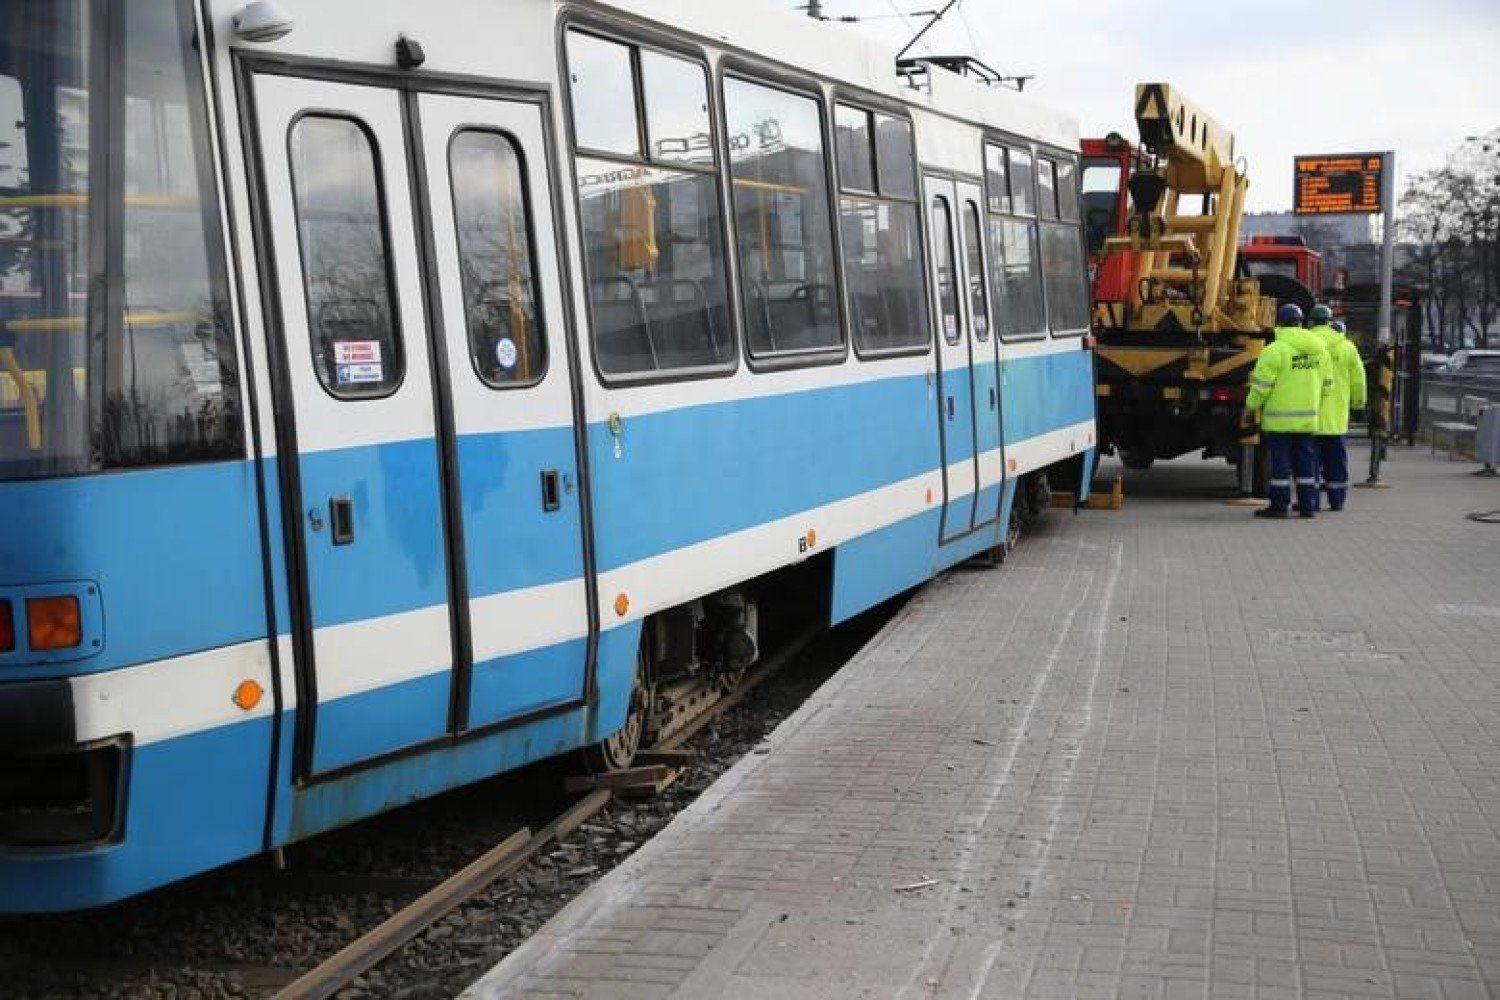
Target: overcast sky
1286, 76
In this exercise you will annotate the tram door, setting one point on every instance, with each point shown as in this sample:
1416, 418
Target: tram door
416, 553
989, 458
955, 397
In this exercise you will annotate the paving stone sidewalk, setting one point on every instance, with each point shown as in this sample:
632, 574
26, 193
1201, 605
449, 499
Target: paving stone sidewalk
1167, 752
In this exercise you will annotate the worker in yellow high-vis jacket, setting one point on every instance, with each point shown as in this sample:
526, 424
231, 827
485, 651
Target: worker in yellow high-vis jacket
1286, 391
1348, 394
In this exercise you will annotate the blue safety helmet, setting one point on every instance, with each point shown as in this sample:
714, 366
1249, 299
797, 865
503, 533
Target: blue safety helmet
1319, 315
1290, 314
1338, 325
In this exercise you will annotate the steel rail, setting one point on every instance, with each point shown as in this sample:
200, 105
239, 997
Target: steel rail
370, 949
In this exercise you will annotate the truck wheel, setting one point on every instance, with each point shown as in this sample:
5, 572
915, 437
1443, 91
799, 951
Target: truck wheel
1140, 461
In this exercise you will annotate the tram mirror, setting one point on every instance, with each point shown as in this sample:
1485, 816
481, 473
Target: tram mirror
262, 21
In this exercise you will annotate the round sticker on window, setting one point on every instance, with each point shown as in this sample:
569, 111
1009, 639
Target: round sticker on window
505, 353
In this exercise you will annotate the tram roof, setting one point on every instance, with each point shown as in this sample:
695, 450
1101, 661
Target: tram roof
764, 30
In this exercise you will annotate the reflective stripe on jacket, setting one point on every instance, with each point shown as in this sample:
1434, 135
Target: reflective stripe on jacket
1348, 382
1289, 381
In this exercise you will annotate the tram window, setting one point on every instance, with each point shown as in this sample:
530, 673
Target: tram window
856, 148
655, 264
947, 286
506, 341
784, 232
1016, 277
881, 236
883, 270
997, 178
148, 376
979, 305
676, 110
653, 247
1067, 191
1022, 201
1046, 188
895, 157
177, 364
1062, 265
346, 264
602, 85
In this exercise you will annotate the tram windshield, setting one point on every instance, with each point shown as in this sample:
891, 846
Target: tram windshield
115, 342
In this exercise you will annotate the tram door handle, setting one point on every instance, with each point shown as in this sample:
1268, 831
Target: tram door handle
950, 407
551, 491
341, 519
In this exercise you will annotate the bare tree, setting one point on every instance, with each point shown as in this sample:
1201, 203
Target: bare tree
1452, 216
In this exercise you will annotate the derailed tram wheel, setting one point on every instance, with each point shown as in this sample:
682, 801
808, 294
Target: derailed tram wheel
617, 752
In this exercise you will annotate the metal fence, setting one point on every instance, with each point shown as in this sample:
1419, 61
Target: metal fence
1443, 399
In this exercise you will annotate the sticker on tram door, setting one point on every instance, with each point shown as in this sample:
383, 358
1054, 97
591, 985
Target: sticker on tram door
359, 374
356, 352
357, 362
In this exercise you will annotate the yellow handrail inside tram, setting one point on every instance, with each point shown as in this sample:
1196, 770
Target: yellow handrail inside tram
29, 403
755, 185
75, 324
82, 200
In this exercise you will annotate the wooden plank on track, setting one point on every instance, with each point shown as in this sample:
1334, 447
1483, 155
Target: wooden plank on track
618, 779
671, 758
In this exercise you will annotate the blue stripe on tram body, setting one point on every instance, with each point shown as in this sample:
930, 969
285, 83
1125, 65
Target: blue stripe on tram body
1045, 392
688, 475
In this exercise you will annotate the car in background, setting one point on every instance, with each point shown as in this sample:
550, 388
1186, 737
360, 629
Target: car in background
1481, 362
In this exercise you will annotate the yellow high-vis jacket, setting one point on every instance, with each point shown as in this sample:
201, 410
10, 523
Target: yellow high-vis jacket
1348, 382
1289, 381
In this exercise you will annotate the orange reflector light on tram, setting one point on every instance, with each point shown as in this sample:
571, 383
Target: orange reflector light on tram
622, 603
53, 622
247, 694
7, 628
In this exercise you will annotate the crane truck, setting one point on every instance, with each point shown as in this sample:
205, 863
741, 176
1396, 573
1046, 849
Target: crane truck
1181, 310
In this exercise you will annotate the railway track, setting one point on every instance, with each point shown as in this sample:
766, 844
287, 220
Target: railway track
658, 767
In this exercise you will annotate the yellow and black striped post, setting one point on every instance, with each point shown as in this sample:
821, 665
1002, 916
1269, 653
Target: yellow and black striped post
1378, 414
1249, 439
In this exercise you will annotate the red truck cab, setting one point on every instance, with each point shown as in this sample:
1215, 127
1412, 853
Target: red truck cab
1283, 256
1107, 165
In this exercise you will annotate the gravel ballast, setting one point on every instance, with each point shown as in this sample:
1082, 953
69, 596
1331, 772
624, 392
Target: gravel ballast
249, 929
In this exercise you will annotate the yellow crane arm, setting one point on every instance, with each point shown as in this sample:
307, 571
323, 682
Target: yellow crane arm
1186, 261
1196, 148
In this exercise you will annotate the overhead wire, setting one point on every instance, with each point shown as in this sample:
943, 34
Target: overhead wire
906, 20
968, 28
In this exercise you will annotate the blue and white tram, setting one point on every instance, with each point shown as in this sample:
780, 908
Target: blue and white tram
391, 396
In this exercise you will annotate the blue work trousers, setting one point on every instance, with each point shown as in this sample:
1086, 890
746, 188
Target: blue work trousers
1293, 459
1333, 468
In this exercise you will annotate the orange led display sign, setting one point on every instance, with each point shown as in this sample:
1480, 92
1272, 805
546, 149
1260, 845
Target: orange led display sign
1337, 184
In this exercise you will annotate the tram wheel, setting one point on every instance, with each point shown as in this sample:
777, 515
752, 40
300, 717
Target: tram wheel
617, 752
